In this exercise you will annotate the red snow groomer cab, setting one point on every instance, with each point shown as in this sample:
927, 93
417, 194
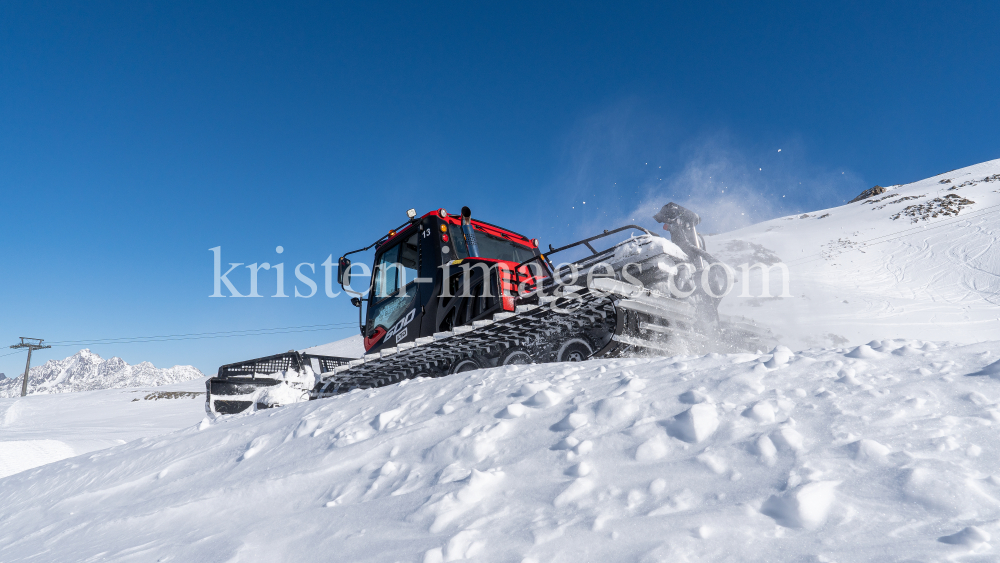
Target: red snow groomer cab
449, 293
441, 271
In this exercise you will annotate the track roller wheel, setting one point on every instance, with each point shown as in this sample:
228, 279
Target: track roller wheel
574, 350
467, 364
515, 356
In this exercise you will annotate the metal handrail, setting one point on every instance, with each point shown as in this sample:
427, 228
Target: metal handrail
585, 242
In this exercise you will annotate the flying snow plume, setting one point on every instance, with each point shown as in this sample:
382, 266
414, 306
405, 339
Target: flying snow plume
731, 189
620, 165
716, 187
605, 160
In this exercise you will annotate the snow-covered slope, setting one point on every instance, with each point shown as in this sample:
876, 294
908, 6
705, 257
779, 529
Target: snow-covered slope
350, 347
918, 261
887, 452
881, 452
86, 371
43, 428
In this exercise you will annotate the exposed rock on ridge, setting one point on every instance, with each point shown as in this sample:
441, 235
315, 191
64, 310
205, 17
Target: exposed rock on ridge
872, 191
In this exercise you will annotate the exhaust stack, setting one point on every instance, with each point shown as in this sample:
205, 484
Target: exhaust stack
469, 233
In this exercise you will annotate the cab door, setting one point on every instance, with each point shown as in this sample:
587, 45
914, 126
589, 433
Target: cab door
394, 299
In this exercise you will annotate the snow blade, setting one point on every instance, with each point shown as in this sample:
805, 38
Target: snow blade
238, 386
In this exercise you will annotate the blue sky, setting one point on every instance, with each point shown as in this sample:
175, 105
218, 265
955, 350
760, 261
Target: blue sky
135, 136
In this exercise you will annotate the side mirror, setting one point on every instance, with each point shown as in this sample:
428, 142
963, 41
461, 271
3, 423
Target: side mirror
344, 272
355, 301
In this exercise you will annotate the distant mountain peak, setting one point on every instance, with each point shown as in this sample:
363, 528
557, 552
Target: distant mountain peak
87, 371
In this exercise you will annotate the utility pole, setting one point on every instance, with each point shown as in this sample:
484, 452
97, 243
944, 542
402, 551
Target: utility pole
31, 344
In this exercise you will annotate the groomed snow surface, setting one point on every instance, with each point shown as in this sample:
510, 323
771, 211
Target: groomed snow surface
882, 452
42, 428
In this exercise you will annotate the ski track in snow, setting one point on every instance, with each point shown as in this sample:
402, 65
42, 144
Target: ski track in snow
852, 454
936, 279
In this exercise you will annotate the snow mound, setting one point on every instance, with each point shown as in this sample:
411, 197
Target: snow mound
86, 371
714, 458
971, 536
803, 507
992, 370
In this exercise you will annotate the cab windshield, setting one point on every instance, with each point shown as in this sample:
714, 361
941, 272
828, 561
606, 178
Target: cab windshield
394, 287
490, 246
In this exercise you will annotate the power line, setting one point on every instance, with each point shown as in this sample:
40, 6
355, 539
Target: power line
198, 335
204, 335
222, 334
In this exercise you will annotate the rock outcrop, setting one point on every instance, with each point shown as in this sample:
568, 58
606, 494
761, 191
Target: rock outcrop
872, 191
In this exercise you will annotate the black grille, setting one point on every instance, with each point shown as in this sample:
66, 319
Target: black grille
262, 366
281, 362
327, 363
231, 407
239, 386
